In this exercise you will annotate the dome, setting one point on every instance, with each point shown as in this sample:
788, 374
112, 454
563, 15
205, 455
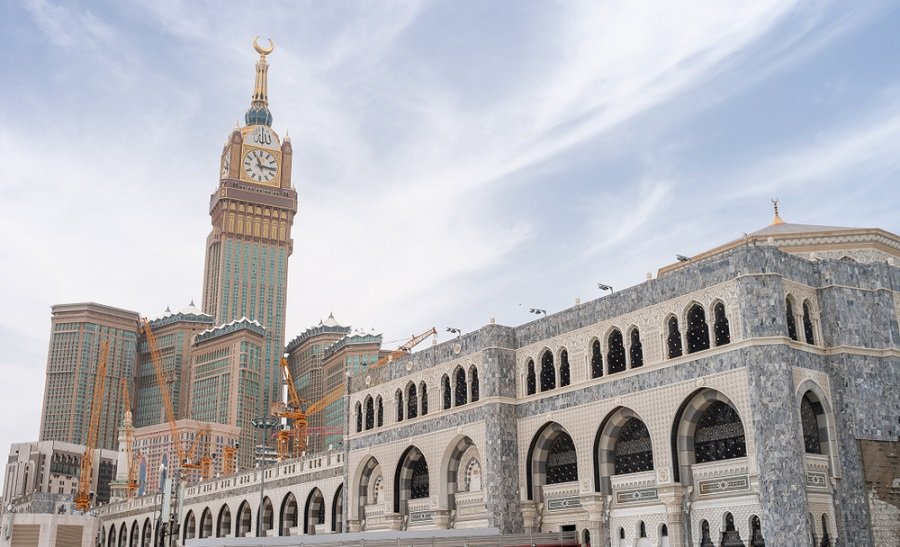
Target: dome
258, 114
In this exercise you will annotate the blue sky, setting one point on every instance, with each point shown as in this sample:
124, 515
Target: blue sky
455, 161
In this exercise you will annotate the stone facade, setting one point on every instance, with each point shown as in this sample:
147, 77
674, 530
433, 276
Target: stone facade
691, 408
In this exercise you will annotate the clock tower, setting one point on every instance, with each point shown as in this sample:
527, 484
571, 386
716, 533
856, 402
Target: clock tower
247, 250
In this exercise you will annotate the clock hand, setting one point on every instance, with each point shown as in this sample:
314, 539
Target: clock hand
267, 167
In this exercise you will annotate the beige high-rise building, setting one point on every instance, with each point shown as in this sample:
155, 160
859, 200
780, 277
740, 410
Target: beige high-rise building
174, 333
252, 211
227, 362
77, 334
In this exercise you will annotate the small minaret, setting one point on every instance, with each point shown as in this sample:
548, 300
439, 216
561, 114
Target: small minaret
119, 487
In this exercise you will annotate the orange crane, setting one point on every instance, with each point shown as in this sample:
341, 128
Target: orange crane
290, 410
293, 409
414, 341
83, 497
131, 457
185, 457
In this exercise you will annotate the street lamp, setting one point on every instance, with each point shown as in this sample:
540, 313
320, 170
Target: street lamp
454, 330
604, 287
538, 311
263, 424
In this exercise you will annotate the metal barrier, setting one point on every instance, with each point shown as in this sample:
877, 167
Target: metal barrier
555, 539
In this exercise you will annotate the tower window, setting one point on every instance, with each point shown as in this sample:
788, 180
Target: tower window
615, 355
722, 330
673, 341
530, 381
596, 360
791, 323
564, 375
636, 349
807, 325
698, 330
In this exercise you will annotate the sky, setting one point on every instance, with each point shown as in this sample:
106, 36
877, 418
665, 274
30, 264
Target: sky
455, 161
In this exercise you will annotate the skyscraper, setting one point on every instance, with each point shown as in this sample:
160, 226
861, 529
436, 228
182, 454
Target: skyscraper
77, 333
247, 250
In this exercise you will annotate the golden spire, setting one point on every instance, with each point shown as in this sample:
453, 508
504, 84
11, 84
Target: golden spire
259, 108
777, 219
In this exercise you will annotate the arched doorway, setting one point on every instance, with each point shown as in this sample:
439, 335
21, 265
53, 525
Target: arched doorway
337, 511
314, 511
268, 516
411, 480
288, 514
190, 527
244, 520
369, 491
206, 524
552, 459
223, 524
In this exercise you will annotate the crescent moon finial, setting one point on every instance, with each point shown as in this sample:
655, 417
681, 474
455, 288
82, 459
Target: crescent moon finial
261, 50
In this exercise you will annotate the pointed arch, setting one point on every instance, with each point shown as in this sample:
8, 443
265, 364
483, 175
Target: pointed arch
206, 524
548, 371
370, 412
446, 392
268, 516
635, 348
720, 326
474, 385
314, 511
707, 428
398, 401
146, 533
412, 400
123, 535
379, 411
461, 393
551, 459
111, 538
450, 463
673, 337
596, 359
423, 397
288, 515
337, 510
622, 445
410, 478
697, 329
565, 376
820, 425
790, 317
223, 523
190, 527
615, 353
808, 330
368, 470
359, 417
134, 538
530, 380
244, 520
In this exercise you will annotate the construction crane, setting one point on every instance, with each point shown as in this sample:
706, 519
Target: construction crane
185, 457
130, 456
290, 410
83, 497
414, 341
293, 409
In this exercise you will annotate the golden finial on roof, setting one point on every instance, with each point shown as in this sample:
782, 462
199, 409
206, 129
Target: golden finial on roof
259, 107
777, 219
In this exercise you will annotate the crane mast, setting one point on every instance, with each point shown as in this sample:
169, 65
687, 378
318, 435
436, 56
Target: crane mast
83, 497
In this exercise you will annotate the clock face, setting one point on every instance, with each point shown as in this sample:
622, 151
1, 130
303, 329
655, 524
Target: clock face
226, 163
260, 166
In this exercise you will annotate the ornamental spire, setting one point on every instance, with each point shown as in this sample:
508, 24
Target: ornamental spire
259, 113
777, 219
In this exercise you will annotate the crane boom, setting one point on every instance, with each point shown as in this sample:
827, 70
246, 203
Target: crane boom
83, 497
404, 349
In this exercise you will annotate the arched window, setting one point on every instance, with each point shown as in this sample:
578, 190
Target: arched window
621, 533
596, 360
633, 452
807, 325
564, 375
663, 531
562, 460
809, 419
826, 540
423, 390
615, 353
473, 375
756, 538
789, 316
398, 399
636, 350
673, 340
379, 411
705, 540
473, 476
698, 330
548, 371
370, 413
462, 395
587, 538
721, 328
530, 380
719, 435
445, 389
412, 401
642, 529
359, 417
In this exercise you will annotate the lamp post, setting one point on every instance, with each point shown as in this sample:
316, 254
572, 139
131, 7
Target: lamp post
263, 424
538, 311
605, 287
